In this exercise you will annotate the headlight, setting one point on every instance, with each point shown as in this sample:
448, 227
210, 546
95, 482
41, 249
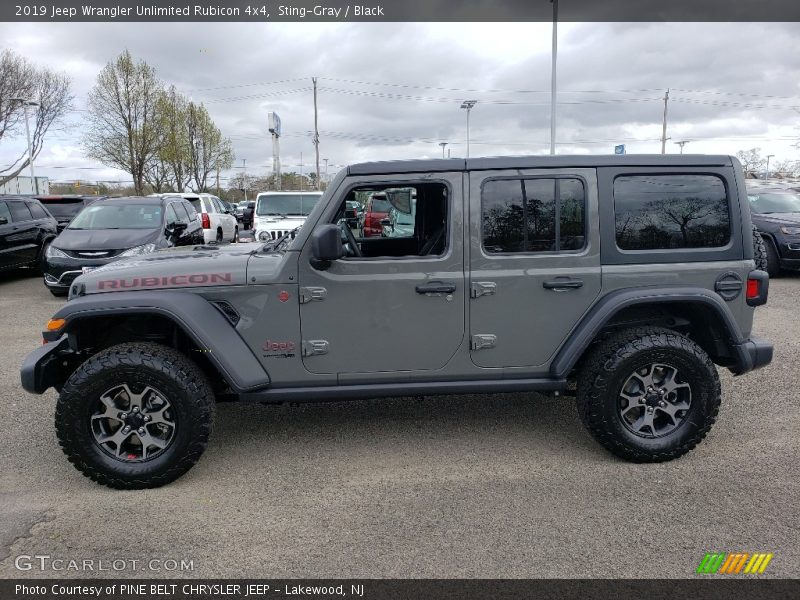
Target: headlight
264, 236
790, 230
138, 250
52, 252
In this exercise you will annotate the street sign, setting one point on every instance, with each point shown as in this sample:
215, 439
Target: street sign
274, 123
620, 149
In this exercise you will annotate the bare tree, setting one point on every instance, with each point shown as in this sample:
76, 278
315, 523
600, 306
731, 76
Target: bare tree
786, 169
208, 150
123, 127
174, 149
751, 160
20, 79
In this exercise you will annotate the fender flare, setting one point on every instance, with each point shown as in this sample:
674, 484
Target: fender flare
605, 309
199, 319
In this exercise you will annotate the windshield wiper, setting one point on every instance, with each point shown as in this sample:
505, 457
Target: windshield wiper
274, 245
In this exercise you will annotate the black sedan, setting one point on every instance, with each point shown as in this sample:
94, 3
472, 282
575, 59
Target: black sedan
26, 229
117, 228
776, 215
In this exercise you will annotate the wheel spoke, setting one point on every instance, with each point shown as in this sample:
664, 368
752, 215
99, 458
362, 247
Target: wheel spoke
671, 410
148, 440
645, 420
117, 438
157, 416
670, 383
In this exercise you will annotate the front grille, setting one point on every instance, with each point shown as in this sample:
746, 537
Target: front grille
92, 254
279, 234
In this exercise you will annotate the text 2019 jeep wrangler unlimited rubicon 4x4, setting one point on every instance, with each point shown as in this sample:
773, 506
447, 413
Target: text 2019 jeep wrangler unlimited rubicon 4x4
624, 278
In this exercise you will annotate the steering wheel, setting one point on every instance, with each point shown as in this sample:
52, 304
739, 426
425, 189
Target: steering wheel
351, 239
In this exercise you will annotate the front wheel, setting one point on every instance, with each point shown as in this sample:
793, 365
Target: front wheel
136, 415
236, 236
648, 394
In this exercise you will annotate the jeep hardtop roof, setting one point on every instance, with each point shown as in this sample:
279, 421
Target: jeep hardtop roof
539, 162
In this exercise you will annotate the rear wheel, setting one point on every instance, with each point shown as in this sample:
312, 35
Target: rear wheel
219, 236
136, 415
236, 236
648, 394
759, 251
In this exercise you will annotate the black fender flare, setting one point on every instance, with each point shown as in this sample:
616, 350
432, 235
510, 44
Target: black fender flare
608, 306
199, 319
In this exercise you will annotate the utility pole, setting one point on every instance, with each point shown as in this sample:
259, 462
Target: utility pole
682, 143
316, 129
443, 145
664, 125
25, 104
244, 177
326, 169
553, 79
468, 105
766, 174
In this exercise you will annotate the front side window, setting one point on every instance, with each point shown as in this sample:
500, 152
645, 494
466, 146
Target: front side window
20, 212
533, 215
660, 212
4, 212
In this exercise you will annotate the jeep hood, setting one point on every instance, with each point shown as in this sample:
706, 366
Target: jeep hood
179, 268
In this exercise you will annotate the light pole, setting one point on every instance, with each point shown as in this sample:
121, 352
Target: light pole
682, 143
766, 175
244, 178
25, 104
443, 145
553, 79
468, 104
325, 160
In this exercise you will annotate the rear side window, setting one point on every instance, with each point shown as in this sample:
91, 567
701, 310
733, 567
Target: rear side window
190, 210
663, 212
180, 210
37, 211
19, 212
172, 217
4, 212
533, 215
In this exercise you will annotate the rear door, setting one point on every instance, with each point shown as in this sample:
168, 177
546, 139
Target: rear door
24, 233
535, 262
7, 258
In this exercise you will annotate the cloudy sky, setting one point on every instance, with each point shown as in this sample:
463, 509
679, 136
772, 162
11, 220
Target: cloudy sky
393, 90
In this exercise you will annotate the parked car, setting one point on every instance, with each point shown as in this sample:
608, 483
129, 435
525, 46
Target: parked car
564, 274
400, 224
64, 207
776, 214
279, 213
352, 214
26, 230
116, 228
376, 210
239, 210
219, 223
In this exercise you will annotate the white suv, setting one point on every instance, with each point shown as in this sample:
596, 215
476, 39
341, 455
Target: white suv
279, 213
218, 224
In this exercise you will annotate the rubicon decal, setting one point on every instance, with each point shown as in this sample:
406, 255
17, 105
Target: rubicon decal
159, 282
734, 563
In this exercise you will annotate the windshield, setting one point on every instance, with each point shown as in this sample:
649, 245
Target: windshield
118, 216
68, 209
774, 202
286, 204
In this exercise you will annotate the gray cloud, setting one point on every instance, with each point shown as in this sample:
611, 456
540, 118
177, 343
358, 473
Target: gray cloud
393, 90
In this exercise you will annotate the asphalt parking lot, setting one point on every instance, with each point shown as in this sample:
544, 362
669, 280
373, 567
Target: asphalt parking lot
468, 486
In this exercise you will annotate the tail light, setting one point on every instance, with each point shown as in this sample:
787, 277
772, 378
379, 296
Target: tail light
205, 220
757, 288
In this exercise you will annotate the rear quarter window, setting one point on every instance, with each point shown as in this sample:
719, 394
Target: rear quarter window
671, 211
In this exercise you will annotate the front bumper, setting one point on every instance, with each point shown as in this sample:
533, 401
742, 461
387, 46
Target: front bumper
752, 354
61, 272
41, 369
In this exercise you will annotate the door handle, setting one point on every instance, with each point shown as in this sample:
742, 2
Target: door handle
436, 287
562, 285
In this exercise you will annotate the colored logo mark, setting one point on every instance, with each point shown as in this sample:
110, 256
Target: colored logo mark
734, 563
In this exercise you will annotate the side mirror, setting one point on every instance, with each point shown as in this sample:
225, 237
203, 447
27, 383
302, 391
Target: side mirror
3, 221
326, 246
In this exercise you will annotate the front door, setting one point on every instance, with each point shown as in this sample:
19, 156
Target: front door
399, 306
535, 258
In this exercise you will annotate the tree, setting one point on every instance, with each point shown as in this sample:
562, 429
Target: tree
208, 150
21, 79
751, 160
123, 125
174, 150
785, 169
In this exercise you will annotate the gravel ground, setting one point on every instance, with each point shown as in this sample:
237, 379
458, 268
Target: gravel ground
466, 486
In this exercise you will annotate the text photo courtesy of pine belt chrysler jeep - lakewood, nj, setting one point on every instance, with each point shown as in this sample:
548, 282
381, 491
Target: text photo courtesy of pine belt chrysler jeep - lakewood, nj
625, 281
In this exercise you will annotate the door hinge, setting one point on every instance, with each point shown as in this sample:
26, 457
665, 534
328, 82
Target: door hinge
315, 347
481, 341
307, 294
482, 288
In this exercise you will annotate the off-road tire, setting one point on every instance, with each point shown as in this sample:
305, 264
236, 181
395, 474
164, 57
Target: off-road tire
760, 251
773, 266
610, 364
137, 364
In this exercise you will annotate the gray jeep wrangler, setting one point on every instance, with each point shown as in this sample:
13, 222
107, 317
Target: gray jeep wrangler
622, 280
